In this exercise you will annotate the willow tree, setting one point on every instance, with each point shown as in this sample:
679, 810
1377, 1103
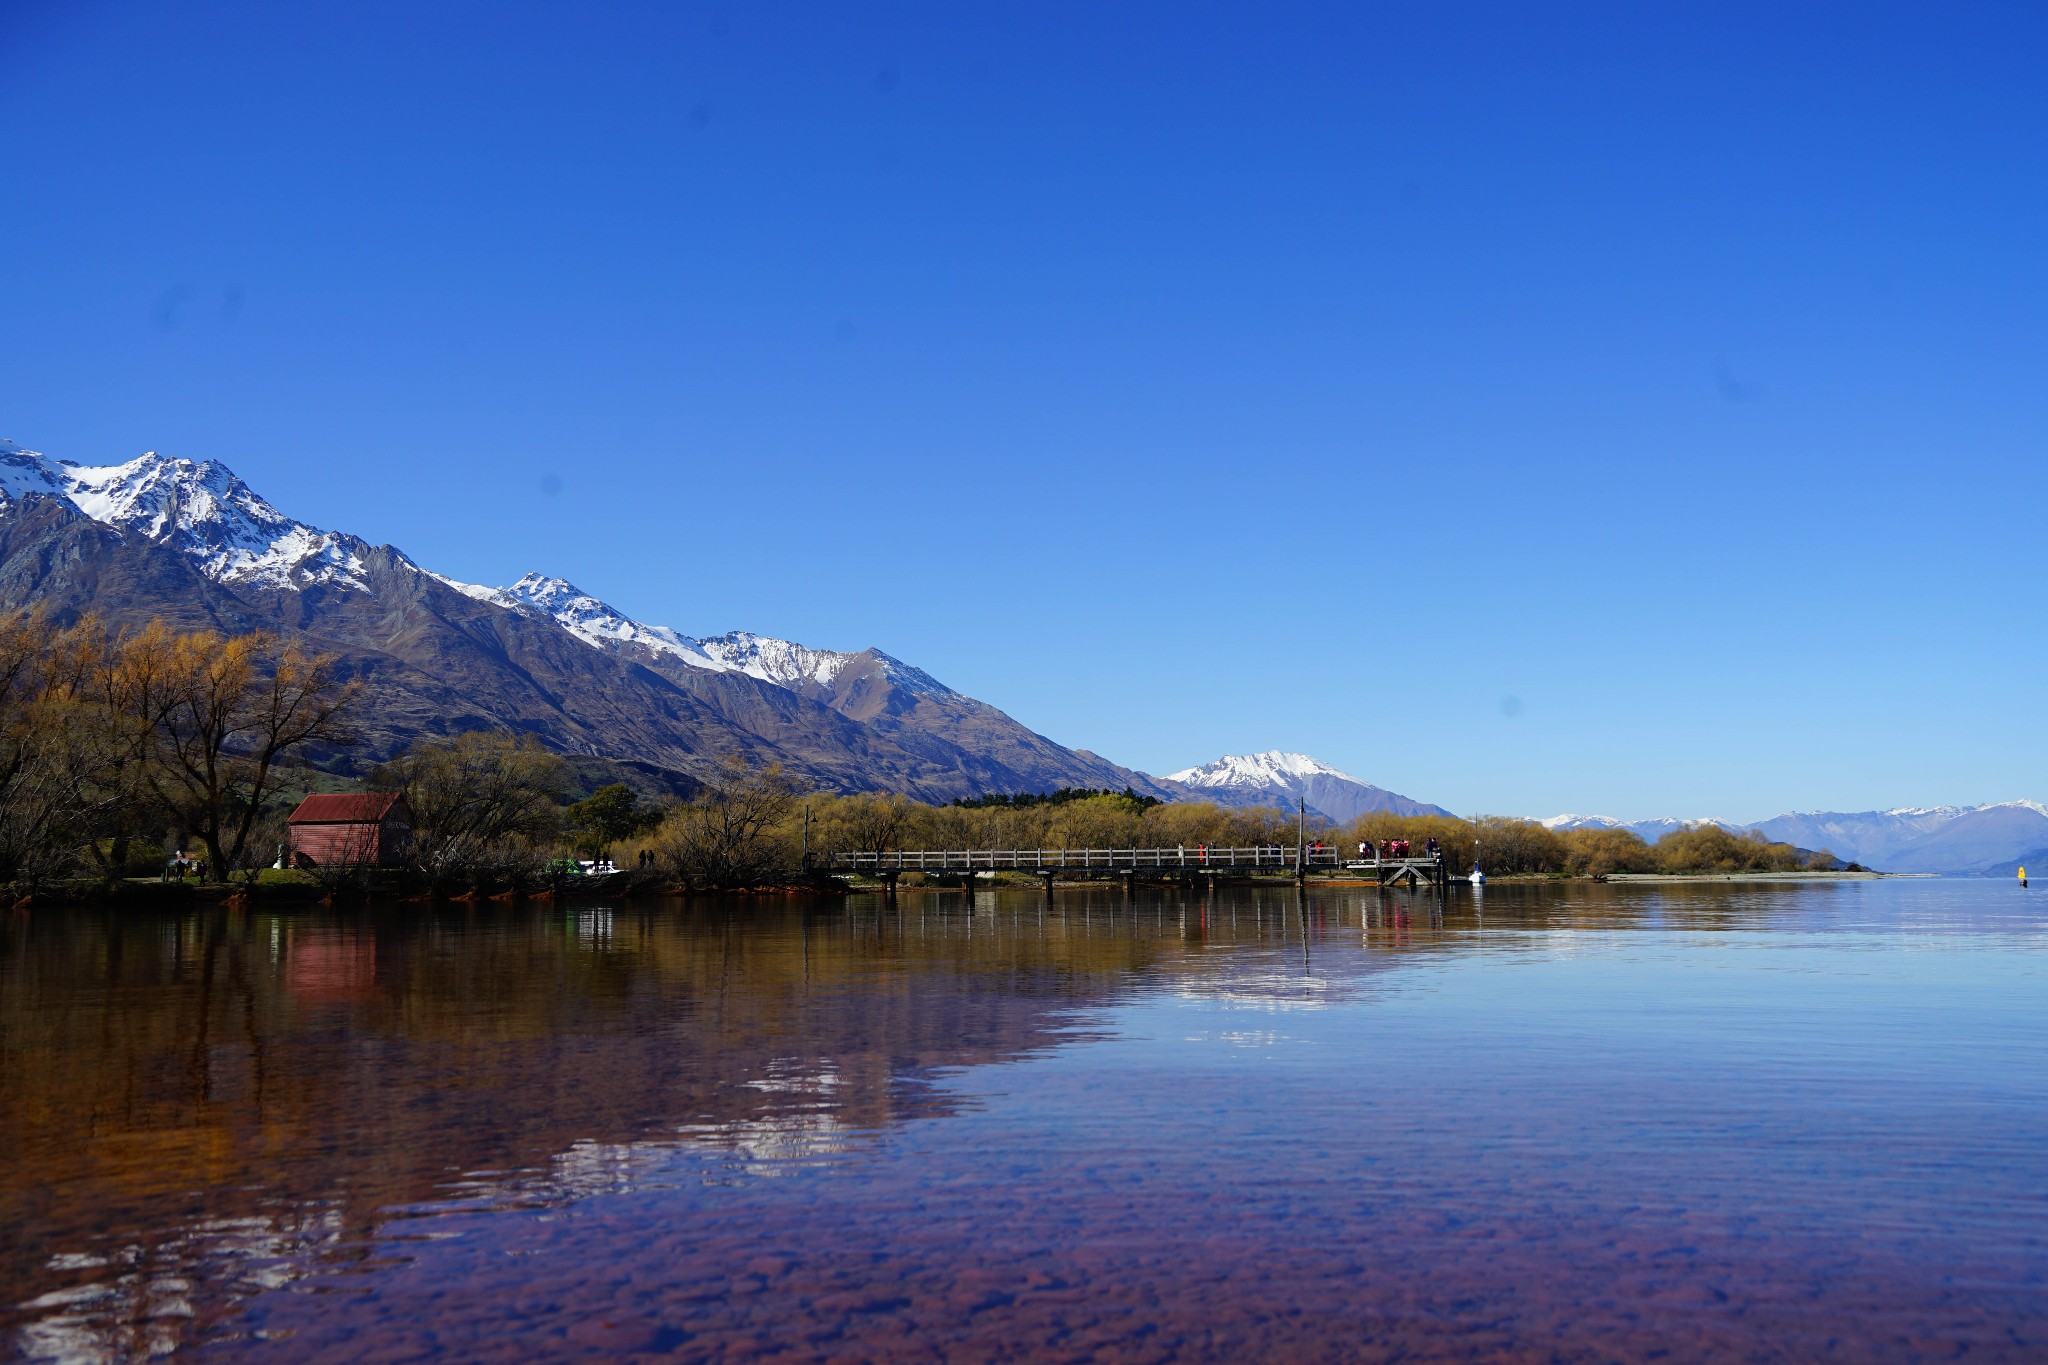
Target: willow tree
1599, 852
1710, 848
66, 756
218, 713
486, 806
736, 834
871, 822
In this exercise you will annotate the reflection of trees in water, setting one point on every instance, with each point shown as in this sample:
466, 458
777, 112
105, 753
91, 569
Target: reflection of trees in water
205, 1105
196, 1105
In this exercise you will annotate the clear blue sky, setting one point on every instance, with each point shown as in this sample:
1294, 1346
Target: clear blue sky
1631, 408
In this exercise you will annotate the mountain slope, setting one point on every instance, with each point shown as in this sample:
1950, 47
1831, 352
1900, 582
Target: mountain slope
915, 712
1976, 840
1276, 778
192, 544
1873, 838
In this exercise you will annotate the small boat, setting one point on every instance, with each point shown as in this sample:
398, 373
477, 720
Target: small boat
1478, 877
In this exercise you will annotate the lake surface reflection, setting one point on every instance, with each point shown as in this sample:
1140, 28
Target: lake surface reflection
1720, 1122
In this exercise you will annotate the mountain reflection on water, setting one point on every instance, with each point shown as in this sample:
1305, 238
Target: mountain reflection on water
1336, 1124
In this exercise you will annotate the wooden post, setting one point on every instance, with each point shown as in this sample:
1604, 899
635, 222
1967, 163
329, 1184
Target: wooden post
1300, 840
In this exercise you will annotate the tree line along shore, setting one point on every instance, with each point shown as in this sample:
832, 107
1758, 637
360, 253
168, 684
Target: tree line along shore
121, 751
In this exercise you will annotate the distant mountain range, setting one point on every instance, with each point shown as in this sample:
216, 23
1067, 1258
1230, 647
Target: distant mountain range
1923, 839
192, 544
1650, 830
1957, 839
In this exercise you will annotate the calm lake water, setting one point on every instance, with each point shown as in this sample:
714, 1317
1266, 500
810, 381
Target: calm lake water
1584, 1123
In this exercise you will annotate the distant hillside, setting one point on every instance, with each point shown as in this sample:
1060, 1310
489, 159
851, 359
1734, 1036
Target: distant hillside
2035, 861
1976, 840
1275, 778
1873, 838
1952, 839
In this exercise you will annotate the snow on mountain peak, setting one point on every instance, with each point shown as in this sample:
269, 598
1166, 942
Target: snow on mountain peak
2034, 806
24, 471
203, 510
781, 662
1273, 768
1574, 821
597, 623
792, 665
590, 620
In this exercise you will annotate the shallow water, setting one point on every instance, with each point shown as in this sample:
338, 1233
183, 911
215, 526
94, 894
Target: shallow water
1716, 1122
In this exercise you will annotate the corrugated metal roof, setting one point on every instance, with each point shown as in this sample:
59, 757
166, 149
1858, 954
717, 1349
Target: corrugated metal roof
344, 808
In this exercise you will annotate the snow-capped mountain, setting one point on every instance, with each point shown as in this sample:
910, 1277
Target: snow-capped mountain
1277, 778
205, 511
202, 510
1274, 767
163, 538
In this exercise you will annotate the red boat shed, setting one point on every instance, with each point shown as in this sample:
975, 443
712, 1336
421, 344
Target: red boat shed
372, 829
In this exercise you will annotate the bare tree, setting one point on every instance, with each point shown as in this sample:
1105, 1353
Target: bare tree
732, 837
486, 806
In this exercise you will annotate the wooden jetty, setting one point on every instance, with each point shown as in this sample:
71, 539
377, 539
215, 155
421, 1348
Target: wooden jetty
1177, 863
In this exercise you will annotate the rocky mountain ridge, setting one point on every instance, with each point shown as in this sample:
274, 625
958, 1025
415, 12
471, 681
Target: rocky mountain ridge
191, 543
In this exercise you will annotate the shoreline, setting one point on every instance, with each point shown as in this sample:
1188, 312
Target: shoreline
136, 894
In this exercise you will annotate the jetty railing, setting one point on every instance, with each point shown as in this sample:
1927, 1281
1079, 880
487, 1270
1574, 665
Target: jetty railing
1188, 859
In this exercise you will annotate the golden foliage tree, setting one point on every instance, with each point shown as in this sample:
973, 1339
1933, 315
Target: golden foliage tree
67, 757
1710, 848
218, 712
871, 822
1599, 852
